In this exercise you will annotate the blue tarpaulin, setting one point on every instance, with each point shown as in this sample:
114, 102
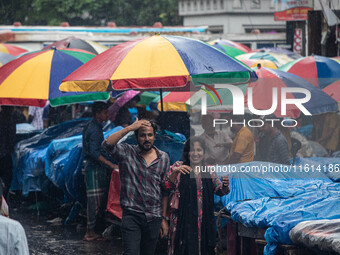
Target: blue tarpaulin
64, 162
30, 154
280, 200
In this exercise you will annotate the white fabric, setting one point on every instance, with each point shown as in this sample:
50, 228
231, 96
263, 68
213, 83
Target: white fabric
330, 16
37, 113
13, 239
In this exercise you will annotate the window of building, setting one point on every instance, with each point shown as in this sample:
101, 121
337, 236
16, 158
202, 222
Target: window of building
265, 45
188, 6
182, 5
215, 4
222, 4
272, 4
255, 4
202, 5
237, 4
208, 4
195, 5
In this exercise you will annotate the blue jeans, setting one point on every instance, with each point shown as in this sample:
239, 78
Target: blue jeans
139, 236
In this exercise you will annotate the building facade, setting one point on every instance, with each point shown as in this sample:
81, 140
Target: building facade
231, 16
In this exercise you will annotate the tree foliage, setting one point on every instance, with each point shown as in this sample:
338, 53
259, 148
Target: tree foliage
90, 12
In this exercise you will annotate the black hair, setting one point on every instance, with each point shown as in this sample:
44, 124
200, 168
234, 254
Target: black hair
188, 144
239, 118
153, 125
97, 107
136, 98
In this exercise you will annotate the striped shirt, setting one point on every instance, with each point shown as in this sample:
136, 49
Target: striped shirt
142, 186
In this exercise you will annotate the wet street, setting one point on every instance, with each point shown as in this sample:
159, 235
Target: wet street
47, 235
50, 237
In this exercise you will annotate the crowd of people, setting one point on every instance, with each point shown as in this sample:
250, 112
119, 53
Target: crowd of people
159, 199
147, 179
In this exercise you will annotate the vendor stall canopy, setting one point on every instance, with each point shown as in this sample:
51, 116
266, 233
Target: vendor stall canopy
159, 61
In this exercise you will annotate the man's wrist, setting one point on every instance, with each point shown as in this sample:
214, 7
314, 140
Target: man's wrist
129, 129
165, 218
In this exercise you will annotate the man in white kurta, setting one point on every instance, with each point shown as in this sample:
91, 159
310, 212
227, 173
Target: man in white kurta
13, 239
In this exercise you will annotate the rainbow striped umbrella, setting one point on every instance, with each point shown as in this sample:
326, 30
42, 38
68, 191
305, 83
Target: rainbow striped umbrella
11, 49
278, 59
280, 51
229, 43
318, 70
263, 62
159, 61
78, 43
34, 78
229, 47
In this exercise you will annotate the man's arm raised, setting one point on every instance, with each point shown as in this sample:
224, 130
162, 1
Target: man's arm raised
114, 138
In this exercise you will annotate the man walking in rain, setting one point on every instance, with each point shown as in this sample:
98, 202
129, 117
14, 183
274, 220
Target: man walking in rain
142, 170
96, 169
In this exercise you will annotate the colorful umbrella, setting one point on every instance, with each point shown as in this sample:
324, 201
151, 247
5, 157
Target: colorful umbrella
11, 49
333, 90
120, 102
229, 47
150, 97
175, 101
320, 102
212, 101
262, 62
233, 44
159, 61
290, 54
278, 59
5, 58
318, 70
185, 101
77, 43
336, 58
34, 78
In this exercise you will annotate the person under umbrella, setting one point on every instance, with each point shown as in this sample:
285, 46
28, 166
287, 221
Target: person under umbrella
119, 112
192, 221
96, 166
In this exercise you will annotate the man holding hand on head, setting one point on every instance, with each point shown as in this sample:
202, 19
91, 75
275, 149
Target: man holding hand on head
142, 170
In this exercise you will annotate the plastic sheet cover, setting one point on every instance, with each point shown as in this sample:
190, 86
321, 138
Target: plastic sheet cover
64, 163
324, 234
30, 154
280, 200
